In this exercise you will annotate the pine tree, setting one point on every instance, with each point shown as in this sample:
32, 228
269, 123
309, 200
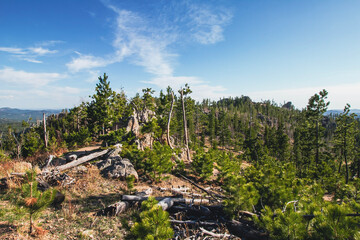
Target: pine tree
153, 224
101, 108
345, 138
33, 200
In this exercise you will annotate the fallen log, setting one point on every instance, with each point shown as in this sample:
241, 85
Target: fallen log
216, 235
213, 195
82, 160
114, 209
174, 199
242, 230
198, 223
166, 203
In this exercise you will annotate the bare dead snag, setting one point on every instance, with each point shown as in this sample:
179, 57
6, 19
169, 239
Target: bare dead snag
45, 137
185, 125
168, 124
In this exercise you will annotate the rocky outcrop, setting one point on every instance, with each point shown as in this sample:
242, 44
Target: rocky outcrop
136, 122
116, 167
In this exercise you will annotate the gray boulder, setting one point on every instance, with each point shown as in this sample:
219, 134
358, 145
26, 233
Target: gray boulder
116, 167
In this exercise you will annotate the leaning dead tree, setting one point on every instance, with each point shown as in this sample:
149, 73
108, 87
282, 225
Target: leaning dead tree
169, 120
185, 125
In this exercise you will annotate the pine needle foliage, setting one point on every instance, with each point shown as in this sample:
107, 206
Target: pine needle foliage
31, 199
153, 224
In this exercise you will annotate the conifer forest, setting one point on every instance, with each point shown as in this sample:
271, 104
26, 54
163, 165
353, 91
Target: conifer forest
161, 165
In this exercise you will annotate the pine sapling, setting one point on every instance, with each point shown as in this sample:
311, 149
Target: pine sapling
33, 200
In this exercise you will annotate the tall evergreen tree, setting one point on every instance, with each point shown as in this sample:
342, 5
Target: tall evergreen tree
345, 138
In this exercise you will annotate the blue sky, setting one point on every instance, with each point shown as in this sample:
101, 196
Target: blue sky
52, 52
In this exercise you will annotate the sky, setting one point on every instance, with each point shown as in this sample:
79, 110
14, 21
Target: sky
52, 52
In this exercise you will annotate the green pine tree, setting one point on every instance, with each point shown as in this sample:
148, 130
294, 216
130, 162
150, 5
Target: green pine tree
33, 200
153, 224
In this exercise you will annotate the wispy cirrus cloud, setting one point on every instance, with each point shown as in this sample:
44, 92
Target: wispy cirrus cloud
13, 50
19, 77
30, 54
150, 41
208, 24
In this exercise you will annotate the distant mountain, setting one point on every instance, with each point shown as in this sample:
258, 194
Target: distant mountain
337, 111
15, 114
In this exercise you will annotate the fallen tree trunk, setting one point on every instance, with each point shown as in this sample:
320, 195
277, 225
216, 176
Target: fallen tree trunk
216, 235
213, 195
198, 223
174, 199
82, 160
114, 209
166, 203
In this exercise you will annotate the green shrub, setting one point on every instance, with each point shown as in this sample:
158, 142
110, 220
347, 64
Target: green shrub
32, 143
78, 138
158, 160
203, 163
153, 222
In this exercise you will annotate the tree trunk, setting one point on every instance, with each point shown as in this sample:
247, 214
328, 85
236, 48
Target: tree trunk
185, 125
345, 157
45, 137
168, 124
82, 160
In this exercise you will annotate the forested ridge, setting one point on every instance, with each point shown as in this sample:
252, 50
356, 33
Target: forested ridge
292, 174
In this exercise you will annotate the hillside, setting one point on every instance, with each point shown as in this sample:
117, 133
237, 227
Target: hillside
260, 171
21, 114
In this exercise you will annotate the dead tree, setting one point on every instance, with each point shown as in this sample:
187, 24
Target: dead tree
82, 160
168, 124
185, 125
45, 137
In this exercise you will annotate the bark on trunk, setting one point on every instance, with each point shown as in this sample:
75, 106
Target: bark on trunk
185, 125
45, 137
82, 160
168, 124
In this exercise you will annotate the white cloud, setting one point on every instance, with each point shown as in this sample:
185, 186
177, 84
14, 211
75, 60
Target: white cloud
19, 77
31, 60
86, 62
41, 51
13, 50
338, 95
30, 54
146, 43
208, 23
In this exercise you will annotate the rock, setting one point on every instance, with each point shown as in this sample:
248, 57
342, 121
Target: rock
115, 167
136, 122
116, 151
